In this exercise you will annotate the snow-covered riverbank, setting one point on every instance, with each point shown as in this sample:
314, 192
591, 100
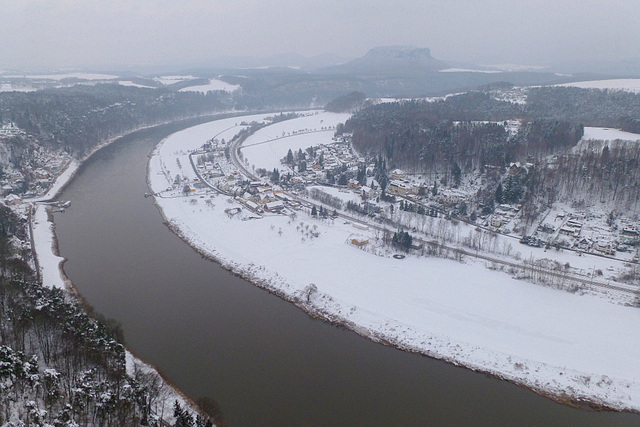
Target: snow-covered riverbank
573, 347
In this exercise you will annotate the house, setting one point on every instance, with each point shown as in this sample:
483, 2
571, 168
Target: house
360, 241
574, 224
366, 192
516, 168
584, 244
399, 187
397, 174
496, 222
12, 199
252, 206
606, 248
546, 228
570, 231
276, 206
353, 183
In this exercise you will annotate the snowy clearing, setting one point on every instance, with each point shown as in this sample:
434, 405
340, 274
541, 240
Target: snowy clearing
564, 344
513, 68
595, 139
80, 76
214, 84
468, 70
608, 134
169, 80
10, 87
129, 83
43, 239
629, 85
269, 145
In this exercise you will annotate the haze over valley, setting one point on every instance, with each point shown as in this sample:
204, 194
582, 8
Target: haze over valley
459, 181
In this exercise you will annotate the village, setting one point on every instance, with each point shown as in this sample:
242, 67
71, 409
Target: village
329, 179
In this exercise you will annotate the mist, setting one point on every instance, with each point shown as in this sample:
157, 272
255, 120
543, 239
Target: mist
120, 33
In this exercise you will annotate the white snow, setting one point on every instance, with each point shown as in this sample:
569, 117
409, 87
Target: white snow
595, 138
608, 134
162, 404
214, 84
169, 80
132, 84
43, 240
562, 343
629, 85
81, 76
468, 70
296, 134
516, 67
60, 182
9, 87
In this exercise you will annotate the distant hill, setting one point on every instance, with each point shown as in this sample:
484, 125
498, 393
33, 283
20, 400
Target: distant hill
391, 60
292, 61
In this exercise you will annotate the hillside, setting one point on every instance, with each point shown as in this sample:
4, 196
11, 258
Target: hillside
478, 136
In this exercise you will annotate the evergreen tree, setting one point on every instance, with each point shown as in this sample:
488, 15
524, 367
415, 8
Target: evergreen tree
402, 239
499, 194
183, 417
362, 175
456, 173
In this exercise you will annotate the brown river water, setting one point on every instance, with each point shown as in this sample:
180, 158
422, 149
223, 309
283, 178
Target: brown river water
263, 360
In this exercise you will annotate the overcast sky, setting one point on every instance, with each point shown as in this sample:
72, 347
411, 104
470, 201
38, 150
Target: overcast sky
75, 33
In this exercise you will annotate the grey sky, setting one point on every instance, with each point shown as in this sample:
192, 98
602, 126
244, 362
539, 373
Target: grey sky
72, 33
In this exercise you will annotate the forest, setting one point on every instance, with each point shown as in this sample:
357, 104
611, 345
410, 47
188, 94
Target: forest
467, 130
475, 133
75, 119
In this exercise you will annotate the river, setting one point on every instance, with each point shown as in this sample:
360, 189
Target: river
262, 359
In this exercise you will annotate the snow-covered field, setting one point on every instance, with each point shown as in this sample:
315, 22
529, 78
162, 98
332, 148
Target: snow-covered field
608, 134
214, 84
595, 138
78, 75
9, 87
568, 345
468, 70
629, 85
304, 132
43, 238
132, 84
169, 80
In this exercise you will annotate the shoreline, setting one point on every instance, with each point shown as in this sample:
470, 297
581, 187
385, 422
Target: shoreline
316, 312
74, 166
610, 395
329, 316
40, 242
